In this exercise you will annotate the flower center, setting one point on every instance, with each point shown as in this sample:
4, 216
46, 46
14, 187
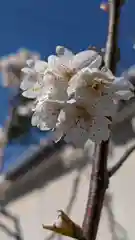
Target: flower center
69, 73
97, 86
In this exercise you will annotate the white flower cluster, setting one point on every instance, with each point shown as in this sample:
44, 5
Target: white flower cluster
73, 93
11, 65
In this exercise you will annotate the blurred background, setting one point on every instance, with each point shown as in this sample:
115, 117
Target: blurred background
33, 175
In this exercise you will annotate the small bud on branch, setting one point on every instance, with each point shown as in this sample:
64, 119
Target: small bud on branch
65, 226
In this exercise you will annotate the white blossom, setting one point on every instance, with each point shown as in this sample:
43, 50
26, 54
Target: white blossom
122, 88
58, 71
32, 79
87, 58
75, 118
52, 87
129, 76
89, 79
98, 90
46, 114
73, 96
11, 66
66, 64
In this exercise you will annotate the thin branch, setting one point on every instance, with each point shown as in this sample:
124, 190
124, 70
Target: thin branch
98, 186
99, 179
119, 164
6, 129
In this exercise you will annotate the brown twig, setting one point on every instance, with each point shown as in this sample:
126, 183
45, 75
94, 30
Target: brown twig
99, 179
119, 164
6, 128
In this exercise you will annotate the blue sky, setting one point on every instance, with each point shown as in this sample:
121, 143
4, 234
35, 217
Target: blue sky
43, 24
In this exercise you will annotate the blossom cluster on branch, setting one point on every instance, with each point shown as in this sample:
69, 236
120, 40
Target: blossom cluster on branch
74, 93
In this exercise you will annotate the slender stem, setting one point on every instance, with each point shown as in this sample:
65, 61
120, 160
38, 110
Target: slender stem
6, 129
119, 164
98, 186
111, 46
99, 179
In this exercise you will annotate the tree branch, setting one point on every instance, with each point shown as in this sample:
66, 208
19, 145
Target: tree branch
99, 178
119, 164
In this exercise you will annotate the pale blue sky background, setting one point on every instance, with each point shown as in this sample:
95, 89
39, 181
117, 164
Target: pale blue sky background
43, 24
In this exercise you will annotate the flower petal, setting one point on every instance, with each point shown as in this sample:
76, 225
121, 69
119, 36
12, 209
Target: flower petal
33, 92
27, 70
80, 79
129, 75
123, 89
86, 96
86, 58
108, 73
58, 65
96, 63
122, 83
88, 84
124, 95
27, 82
46, 114
66, 119
105, 107
30, 62
40, 66
52, 62
55, 86
99, 129
77, 136
101, 75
